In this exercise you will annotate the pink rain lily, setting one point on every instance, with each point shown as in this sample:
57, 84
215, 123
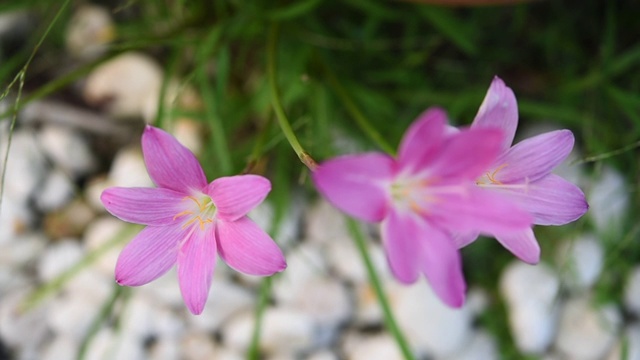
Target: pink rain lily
523, 173
423, 196
189, 221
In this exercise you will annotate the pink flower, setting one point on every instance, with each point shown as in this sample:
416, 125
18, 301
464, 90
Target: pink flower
523, 173
189, 221
423, 196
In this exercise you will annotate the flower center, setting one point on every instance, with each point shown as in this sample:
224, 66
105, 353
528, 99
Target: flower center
413, 194
491, 177
201, 211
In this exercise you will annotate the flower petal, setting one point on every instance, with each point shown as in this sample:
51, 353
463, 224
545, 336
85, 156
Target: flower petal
196, 262
522, 244
357, 184
551, 200
442, 265
400, 238
235, 196
149, 255
246, 248
534, 157
463, 239
480, 210
147, 206
169, 163
499, 109
422, 140
467, 154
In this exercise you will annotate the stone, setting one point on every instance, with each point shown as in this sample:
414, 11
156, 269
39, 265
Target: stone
482, 346
24, 250
531, 295
25, 168
197, 346
320, 215
430, 325
283, 331
128, 169
587, 332
89, 32
19, 328
15, 219
74, 313
608, 202
126, 86
102, 232
226, 300
372, 347
56, 191
93, 190
70, 221
165, 348
61, 348
322, 355
581, 262
68, 150
58, 258
632, 291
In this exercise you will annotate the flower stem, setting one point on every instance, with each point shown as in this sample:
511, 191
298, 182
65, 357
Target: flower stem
358, 116
389, 320
263, 300
276, 102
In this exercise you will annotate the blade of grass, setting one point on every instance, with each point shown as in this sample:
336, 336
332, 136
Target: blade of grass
389, 320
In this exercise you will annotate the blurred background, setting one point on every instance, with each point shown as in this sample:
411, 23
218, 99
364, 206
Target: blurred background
79, 79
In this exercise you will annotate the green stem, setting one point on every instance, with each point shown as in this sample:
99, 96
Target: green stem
358, 116
389, 320
276, 102
263, 300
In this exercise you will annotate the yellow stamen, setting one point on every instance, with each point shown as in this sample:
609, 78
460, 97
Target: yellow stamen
492, 176
186, 212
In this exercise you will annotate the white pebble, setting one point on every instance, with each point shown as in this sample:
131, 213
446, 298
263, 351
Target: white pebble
196, 346
165, 348
61, 348
481, 347
587, 332
89, 31
581, 262
322, 355
25, 249
26, 166
19, 328
67, 149
74, 314
93, 190
100, 233
429, 325
127, 84
376, 347
608, 201
55, 192
226, 299
58, 258
530, 293
632, 291
325, 223
15, 219
128, 169
283, 331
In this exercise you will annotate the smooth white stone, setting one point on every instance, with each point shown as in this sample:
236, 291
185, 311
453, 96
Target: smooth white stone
166, 322
128, 85
108, 345
91, 281
197, 346
22, 329
304, 263
25, 249
533, 326
26, 166
165, 348
188, 133
225, 300
165, 290
429, 324
632, 291
100, 232
608, 201
12, 278
631, 338
531, 295
344, 258
586, 332
137, 316
58, 258
477, 300
56, 191
128, 169
375, 347
68, 149
482, 346
522, 282
15, 219
325, 223
74, 313
61, 348
283, 331
323, 355
89, 31
581, 261
93, 190
289, 230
